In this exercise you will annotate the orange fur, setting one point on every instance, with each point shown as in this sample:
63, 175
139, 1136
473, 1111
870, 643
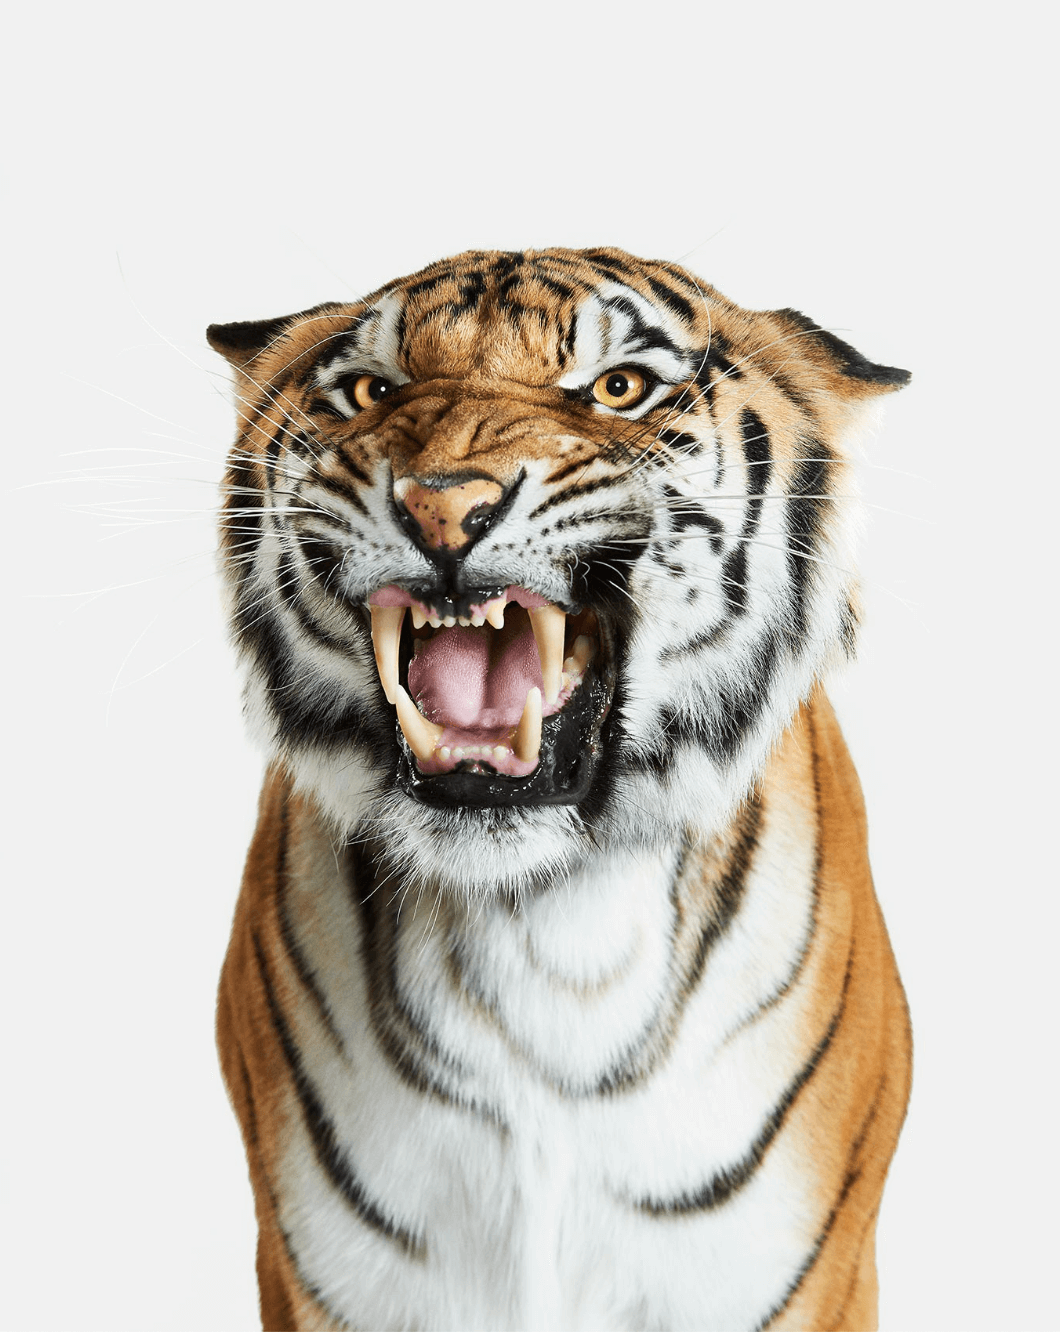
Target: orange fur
482, 395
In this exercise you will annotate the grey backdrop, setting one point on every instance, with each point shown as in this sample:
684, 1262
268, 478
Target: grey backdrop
882, 169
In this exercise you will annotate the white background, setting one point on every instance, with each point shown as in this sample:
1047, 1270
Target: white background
880, 167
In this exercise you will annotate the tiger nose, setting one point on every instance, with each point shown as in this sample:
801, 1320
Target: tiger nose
446, 515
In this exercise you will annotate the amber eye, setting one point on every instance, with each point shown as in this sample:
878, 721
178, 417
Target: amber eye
620, 388
369, 389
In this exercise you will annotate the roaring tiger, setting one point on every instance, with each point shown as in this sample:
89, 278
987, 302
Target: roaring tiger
558, 994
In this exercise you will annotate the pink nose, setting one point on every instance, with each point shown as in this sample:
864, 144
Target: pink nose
449, 517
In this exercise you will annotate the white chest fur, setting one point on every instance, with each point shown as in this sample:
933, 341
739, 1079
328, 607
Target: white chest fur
517, 1172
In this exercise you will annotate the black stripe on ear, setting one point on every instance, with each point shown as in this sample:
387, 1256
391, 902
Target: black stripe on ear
242, 341
844, 357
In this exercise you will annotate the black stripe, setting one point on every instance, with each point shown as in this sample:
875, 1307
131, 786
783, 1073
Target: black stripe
572, 492
758, 456
250, 1128
388, 1012
729, 893
685, 514
341, 486
564, 290
427, 284
606, 264
676, 302
272, 451
309, 712
683, 402
679, 439
727, 1182
815, 889
569, 470
340, 347
757, 453
806, 508
471, 288
644, 336
738, 702
851, 1177
289, 587
327, 1147
241, 529
322, 558
714, 364
302, 968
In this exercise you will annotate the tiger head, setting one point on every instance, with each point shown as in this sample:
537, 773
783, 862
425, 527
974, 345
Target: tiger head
535, 554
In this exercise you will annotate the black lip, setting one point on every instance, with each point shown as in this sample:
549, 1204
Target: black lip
570, 751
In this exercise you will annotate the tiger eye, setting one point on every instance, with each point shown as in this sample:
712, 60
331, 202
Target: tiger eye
619, 388
370, 389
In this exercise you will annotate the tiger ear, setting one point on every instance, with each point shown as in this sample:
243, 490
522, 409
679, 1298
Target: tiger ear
849, 373
239, 343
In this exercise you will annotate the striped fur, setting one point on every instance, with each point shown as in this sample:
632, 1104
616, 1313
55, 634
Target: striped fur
618, 1043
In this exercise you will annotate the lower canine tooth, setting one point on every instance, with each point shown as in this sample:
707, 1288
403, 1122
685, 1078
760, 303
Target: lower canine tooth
550, 625
386, 634
527, 740
422, 735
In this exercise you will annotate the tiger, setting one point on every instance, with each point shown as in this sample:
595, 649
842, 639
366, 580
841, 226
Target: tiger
558, 995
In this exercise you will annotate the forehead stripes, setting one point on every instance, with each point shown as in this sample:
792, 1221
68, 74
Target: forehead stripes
519, 317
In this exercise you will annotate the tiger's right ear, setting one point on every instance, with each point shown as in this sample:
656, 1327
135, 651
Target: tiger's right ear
239, 343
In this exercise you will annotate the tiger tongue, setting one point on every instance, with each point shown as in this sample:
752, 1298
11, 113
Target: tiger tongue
476, 677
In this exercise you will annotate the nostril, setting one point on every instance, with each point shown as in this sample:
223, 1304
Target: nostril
447, 515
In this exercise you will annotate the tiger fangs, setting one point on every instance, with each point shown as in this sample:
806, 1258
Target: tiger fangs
481, 684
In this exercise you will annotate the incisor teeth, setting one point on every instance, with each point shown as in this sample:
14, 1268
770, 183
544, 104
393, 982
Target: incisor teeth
386, 634
478, 621
527, 740
419, 618
550, 625
422, 735
495, 613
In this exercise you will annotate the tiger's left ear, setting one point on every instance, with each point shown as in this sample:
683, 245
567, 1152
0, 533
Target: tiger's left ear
239, 343
849, 373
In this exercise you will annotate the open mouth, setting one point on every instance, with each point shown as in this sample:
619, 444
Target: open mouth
500, 704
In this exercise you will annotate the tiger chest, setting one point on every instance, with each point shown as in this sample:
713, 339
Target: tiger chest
515, 1119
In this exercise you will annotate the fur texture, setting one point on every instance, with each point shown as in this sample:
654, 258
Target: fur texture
616, 1041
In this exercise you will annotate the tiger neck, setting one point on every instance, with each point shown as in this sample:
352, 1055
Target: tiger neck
577, 988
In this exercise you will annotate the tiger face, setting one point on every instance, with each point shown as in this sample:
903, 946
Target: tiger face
531, 554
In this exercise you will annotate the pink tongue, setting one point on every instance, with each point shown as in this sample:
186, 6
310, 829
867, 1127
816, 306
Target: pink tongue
455, 683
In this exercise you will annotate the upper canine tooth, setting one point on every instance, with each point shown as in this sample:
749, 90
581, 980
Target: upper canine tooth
550, 626
422, 735
495, 612
527, 739
386, 635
